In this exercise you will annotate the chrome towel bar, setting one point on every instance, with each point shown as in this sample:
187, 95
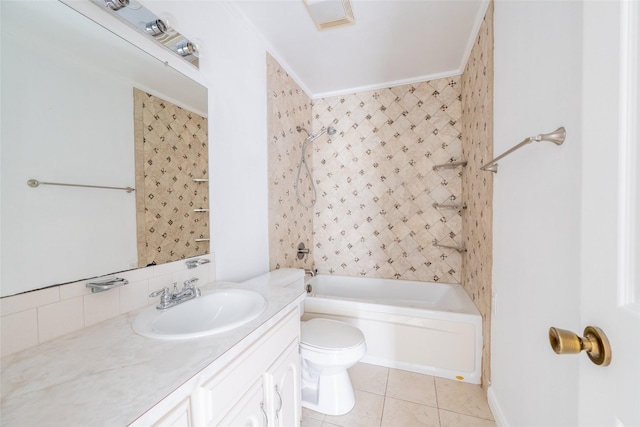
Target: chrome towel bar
105, 283
557, 137
457, 248
449, 206
33, 183
193, 263
451, 165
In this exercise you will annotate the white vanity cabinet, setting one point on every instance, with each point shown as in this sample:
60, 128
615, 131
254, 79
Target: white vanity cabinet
256, 384
282, 386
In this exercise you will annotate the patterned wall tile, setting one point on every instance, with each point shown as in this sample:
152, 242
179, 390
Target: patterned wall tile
289, 222
376, 185
477, 186
376, 188
171, 149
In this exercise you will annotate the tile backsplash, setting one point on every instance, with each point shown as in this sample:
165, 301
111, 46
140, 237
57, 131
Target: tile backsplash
38, 316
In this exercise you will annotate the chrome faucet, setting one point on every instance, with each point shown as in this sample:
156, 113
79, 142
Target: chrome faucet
176, 297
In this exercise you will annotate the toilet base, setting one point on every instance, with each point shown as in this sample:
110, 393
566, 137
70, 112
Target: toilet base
334, 394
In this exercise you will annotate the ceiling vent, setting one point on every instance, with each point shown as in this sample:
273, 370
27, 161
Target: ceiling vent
329, 13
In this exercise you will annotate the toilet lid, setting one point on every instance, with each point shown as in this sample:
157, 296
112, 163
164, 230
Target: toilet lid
330, 334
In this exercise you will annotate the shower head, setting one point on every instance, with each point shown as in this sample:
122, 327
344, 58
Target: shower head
329, 131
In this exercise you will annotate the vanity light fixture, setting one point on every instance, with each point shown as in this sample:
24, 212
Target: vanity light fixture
116, 4
187, 48
329, 13
156, 27
161, 28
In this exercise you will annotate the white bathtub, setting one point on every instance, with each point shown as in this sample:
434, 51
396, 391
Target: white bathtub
431, 328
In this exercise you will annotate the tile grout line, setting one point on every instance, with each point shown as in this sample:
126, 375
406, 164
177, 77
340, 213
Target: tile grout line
435, 388
386, 389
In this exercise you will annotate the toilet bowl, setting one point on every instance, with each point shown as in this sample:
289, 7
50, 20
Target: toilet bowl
327, 349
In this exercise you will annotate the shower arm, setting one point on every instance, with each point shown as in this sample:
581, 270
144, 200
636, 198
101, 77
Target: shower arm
557, 137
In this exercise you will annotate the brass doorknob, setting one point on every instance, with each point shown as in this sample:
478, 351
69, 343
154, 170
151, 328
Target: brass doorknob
594, 342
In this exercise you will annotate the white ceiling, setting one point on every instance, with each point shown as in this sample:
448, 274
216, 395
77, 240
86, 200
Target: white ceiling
392, 42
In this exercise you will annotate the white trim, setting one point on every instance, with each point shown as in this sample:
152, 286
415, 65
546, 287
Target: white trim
496, 410
385, 85
628, 158
472, 40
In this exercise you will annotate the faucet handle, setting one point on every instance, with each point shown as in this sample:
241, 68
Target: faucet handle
163, 292
188, 283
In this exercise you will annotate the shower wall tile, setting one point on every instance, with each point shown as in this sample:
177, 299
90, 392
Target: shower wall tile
477, 185
376, 184
290, 223
171, 150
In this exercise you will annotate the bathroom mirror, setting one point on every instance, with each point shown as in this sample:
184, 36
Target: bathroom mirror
68, 117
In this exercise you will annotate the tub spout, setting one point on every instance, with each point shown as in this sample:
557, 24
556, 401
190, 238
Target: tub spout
311, 272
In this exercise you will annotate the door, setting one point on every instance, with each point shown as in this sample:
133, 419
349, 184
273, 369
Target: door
610, 293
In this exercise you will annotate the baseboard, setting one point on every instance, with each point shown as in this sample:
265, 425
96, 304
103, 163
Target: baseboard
496, 410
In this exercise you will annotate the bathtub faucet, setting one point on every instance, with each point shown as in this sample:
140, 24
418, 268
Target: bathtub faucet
311, 272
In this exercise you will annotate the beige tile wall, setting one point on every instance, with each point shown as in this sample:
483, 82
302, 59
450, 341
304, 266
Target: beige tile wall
35, 317
171, 149
290, 223
376, 183
477, 185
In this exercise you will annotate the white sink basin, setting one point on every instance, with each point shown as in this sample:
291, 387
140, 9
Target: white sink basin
214, 312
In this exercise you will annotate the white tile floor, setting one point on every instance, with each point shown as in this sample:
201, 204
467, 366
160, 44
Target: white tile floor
388, 397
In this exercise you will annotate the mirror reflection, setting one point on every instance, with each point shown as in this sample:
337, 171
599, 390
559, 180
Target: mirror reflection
68, 117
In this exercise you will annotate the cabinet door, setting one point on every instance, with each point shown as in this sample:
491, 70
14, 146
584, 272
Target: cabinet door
282, 388
249, 411
221, 389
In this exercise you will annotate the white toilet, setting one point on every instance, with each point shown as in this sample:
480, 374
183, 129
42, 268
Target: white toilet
327, 349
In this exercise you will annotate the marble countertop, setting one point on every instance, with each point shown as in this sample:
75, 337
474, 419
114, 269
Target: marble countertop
107, 375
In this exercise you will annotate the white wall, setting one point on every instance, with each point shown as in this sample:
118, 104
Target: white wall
536, 211
233, 67
61, 126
